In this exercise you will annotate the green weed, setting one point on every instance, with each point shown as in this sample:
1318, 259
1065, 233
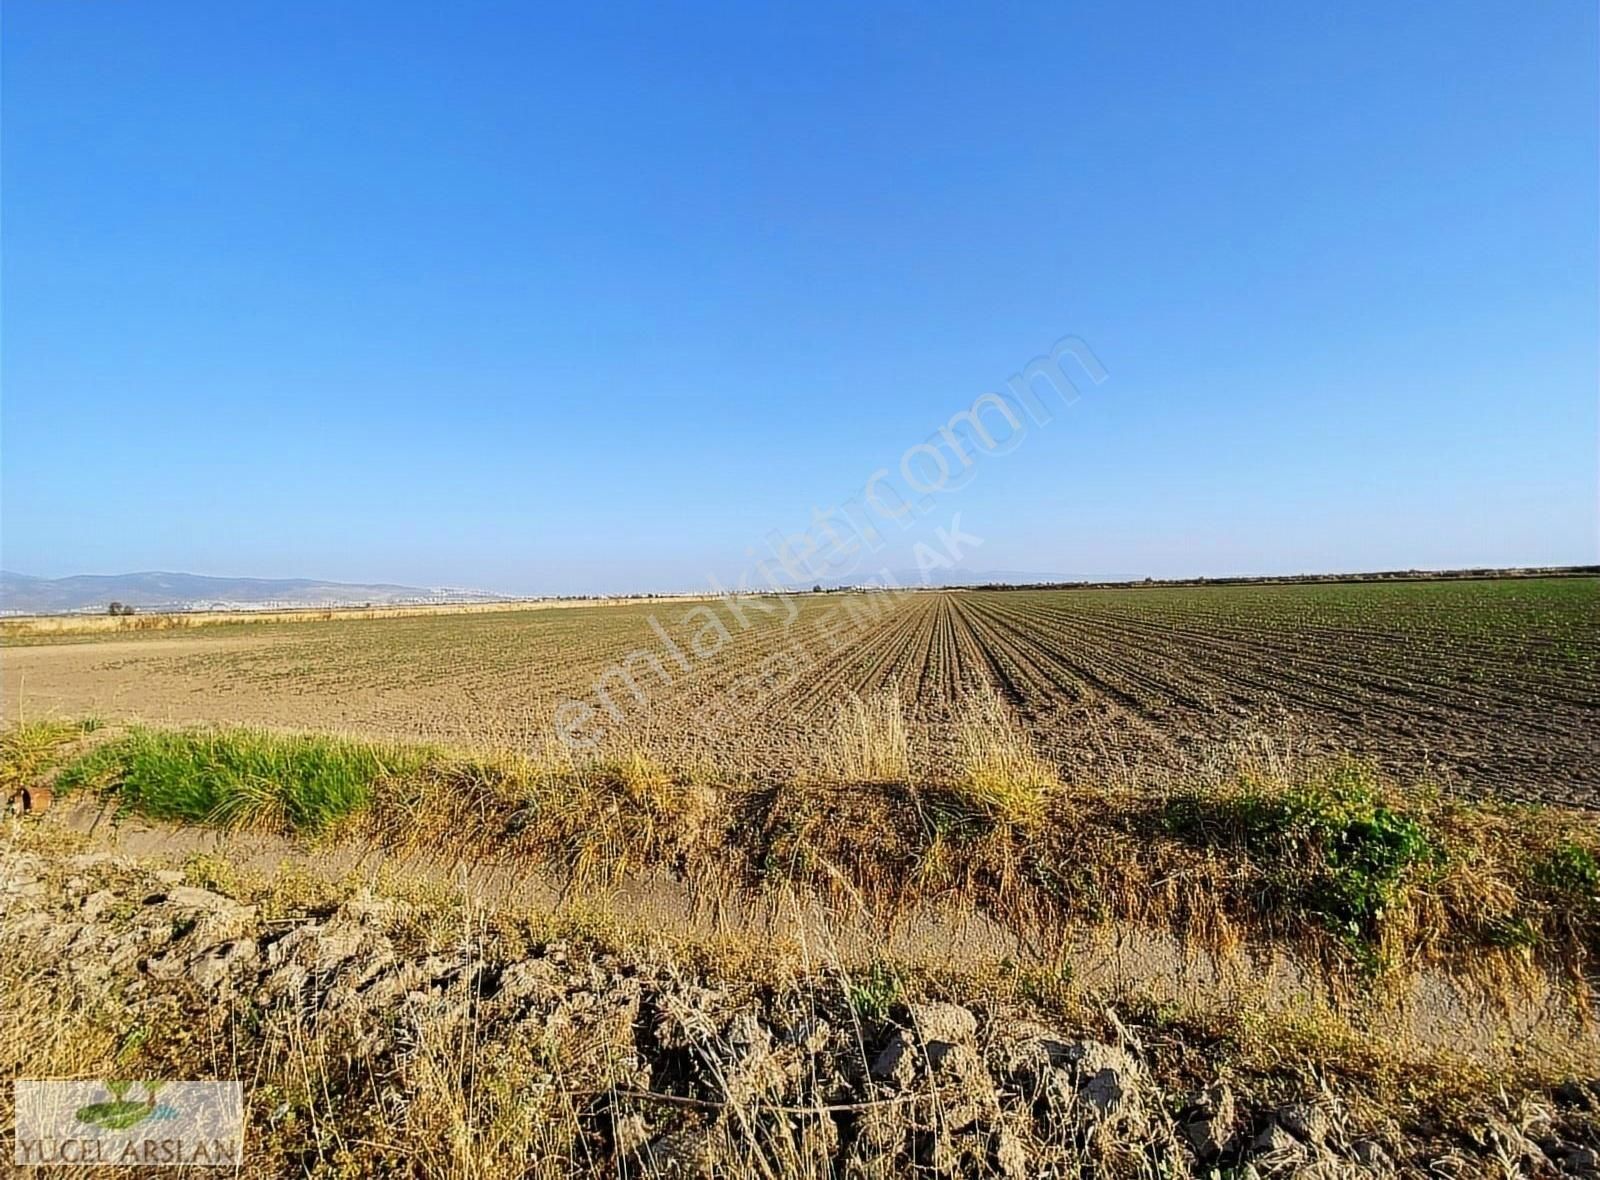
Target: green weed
1332, 845
238, 777
873, 992
1570, 870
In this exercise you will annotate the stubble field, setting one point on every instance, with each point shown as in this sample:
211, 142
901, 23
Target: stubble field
1487, 687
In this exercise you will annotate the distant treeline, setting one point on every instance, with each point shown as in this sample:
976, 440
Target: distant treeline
1480, 574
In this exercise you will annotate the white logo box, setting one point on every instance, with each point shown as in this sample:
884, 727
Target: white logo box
134, 1123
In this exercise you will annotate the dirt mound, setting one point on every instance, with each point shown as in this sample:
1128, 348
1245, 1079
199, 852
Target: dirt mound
372, 1037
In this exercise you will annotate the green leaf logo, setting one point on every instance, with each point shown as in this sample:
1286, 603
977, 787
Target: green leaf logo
121, 1112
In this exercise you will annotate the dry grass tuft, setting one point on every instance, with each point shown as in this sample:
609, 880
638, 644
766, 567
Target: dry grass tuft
31, 749
868, 741
1001, 774
624, 816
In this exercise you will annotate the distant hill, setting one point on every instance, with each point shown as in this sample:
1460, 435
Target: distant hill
22, 594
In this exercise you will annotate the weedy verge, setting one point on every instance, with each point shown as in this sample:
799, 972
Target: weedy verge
422, 1034
1369, 878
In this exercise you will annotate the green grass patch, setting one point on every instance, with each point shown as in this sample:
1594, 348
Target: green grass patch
1572, 872
240, 777
1333, 846
874, 991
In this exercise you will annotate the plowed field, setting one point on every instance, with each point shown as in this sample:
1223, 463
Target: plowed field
1489, 687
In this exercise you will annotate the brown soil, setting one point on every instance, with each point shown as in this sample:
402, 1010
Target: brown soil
1484, 687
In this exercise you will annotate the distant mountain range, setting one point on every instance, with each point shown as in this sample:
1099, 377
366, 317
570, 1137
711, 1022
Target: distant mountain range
22, 594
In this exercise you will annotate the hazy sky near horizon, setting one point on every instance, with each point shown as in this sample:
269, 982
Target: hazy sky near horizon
552, 299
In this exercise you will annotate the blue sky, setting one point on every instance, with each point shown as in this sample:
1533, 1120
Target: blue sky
551, 300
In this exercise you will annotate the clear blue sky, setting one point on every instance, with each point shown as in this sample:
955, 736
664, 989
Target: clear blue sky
542, 299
